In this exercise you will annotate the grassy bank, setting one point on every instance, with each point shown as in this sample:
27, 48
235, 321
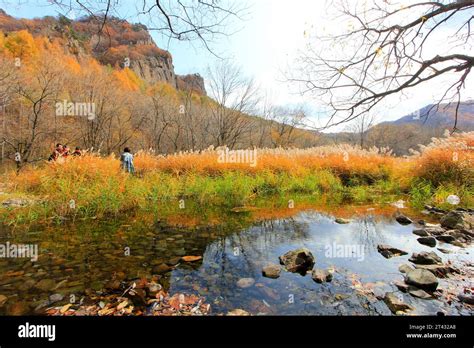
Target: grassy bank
331, 174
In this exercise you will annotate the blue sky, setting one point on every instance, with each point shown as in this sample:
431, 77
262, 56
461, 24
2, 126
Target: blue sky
265, 46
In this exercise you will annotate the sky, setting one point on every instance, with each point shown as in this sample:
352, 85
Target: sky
265, 46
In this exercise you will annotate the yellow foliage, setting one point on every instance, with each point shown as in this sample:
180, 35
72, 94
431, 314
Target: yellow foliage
21, 44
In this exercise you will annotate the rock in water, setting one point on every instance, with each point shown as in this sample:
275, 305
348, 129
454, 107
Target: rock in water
299, 260
321, 276
395, 304
387, 251
419, 293
3, 300
245, 282
405, 268
429, 241
458, 220
466, 298
402, 219
45, 285
422, 279
342, 221
271, 271
425, 258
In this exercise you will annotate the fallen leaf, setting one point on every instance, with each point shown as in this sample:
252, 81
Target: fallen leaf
191, 258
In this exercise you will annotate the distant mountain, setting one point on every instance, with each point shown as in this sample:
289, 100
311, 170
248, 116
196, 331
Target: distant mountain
441, 117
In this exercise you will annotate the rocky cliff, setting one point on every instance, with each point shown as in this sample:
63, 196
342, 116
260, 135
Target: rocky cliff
119, 44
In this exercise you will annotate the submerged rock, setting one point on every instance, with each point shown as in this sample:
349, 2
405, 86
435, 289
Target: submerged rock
429, 241
426, 258
45, 285
271, 271
321, 276
245, 282
388, 252
299, 260
396, 304
466, 298
422, 279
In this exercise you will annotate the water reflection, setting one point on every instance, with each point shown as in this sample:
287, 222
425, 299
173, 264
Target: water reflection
82, 259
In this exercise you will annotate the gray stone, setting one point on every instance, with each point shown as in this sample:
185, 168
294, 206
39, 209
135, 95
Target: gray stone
405, 268
425, 258
245, 282
422, 279
299, 260
458, 220
429, 241
387, 251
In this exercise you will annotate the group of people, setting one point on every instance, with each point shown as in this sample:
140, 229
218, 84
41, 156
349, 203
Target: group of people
63, 151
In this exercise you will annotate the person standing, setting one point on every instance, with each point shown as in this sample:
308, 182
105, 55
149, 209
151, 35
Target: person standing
126, 160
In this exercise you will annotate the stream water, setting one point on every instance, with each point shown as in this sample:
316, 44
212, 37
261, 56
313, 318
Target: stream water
87, 255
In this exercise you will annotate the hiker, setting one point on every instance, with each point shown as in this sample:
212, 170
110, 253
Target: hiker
126, 160
58, 151
66, 150
77, 152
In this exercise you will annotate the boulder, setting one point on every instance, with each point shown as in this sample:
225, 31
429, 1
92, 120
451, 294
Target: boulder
458, 220
429, 241
395, 303
342, 221
387, 251
403, 287
446, 238
299, 260
421, 232
425, 258
271, 271
162, 268
321, 276
402, 219
422, 279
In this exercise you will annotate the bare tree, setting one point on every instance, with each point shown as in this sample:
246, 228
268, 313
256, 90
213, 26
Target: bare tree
360, 127
286, 121
235, 98
382, 48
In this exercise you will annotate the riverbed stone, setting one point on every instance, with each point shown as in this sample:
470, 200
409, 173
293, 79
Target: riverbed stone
422, 279
395, 303
425, 258
162, 268
458, 220
429, 241
45, 285
3, 300
245, 282
440, 271
321, 276
388, 252
405, 268
419, 293
466, 298
271, 271
300, 260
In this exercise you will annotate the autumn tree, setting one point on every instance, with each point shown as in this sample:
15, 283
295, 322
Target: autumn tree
380, 49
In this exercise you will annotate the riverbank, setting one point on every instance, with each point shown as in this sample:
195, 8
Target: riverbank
95, 187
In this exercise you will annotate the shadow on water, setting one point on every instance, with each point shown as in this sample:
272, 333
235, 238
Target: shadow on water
89, 257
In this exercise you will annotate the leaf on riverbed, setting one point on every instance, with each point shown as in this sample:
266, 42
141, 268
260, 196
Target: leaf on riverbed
65, 308
191, 258
122, 305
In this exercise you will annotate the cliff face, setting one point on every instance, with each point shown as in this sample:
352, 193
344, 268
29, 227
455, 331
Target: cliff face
120, 44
